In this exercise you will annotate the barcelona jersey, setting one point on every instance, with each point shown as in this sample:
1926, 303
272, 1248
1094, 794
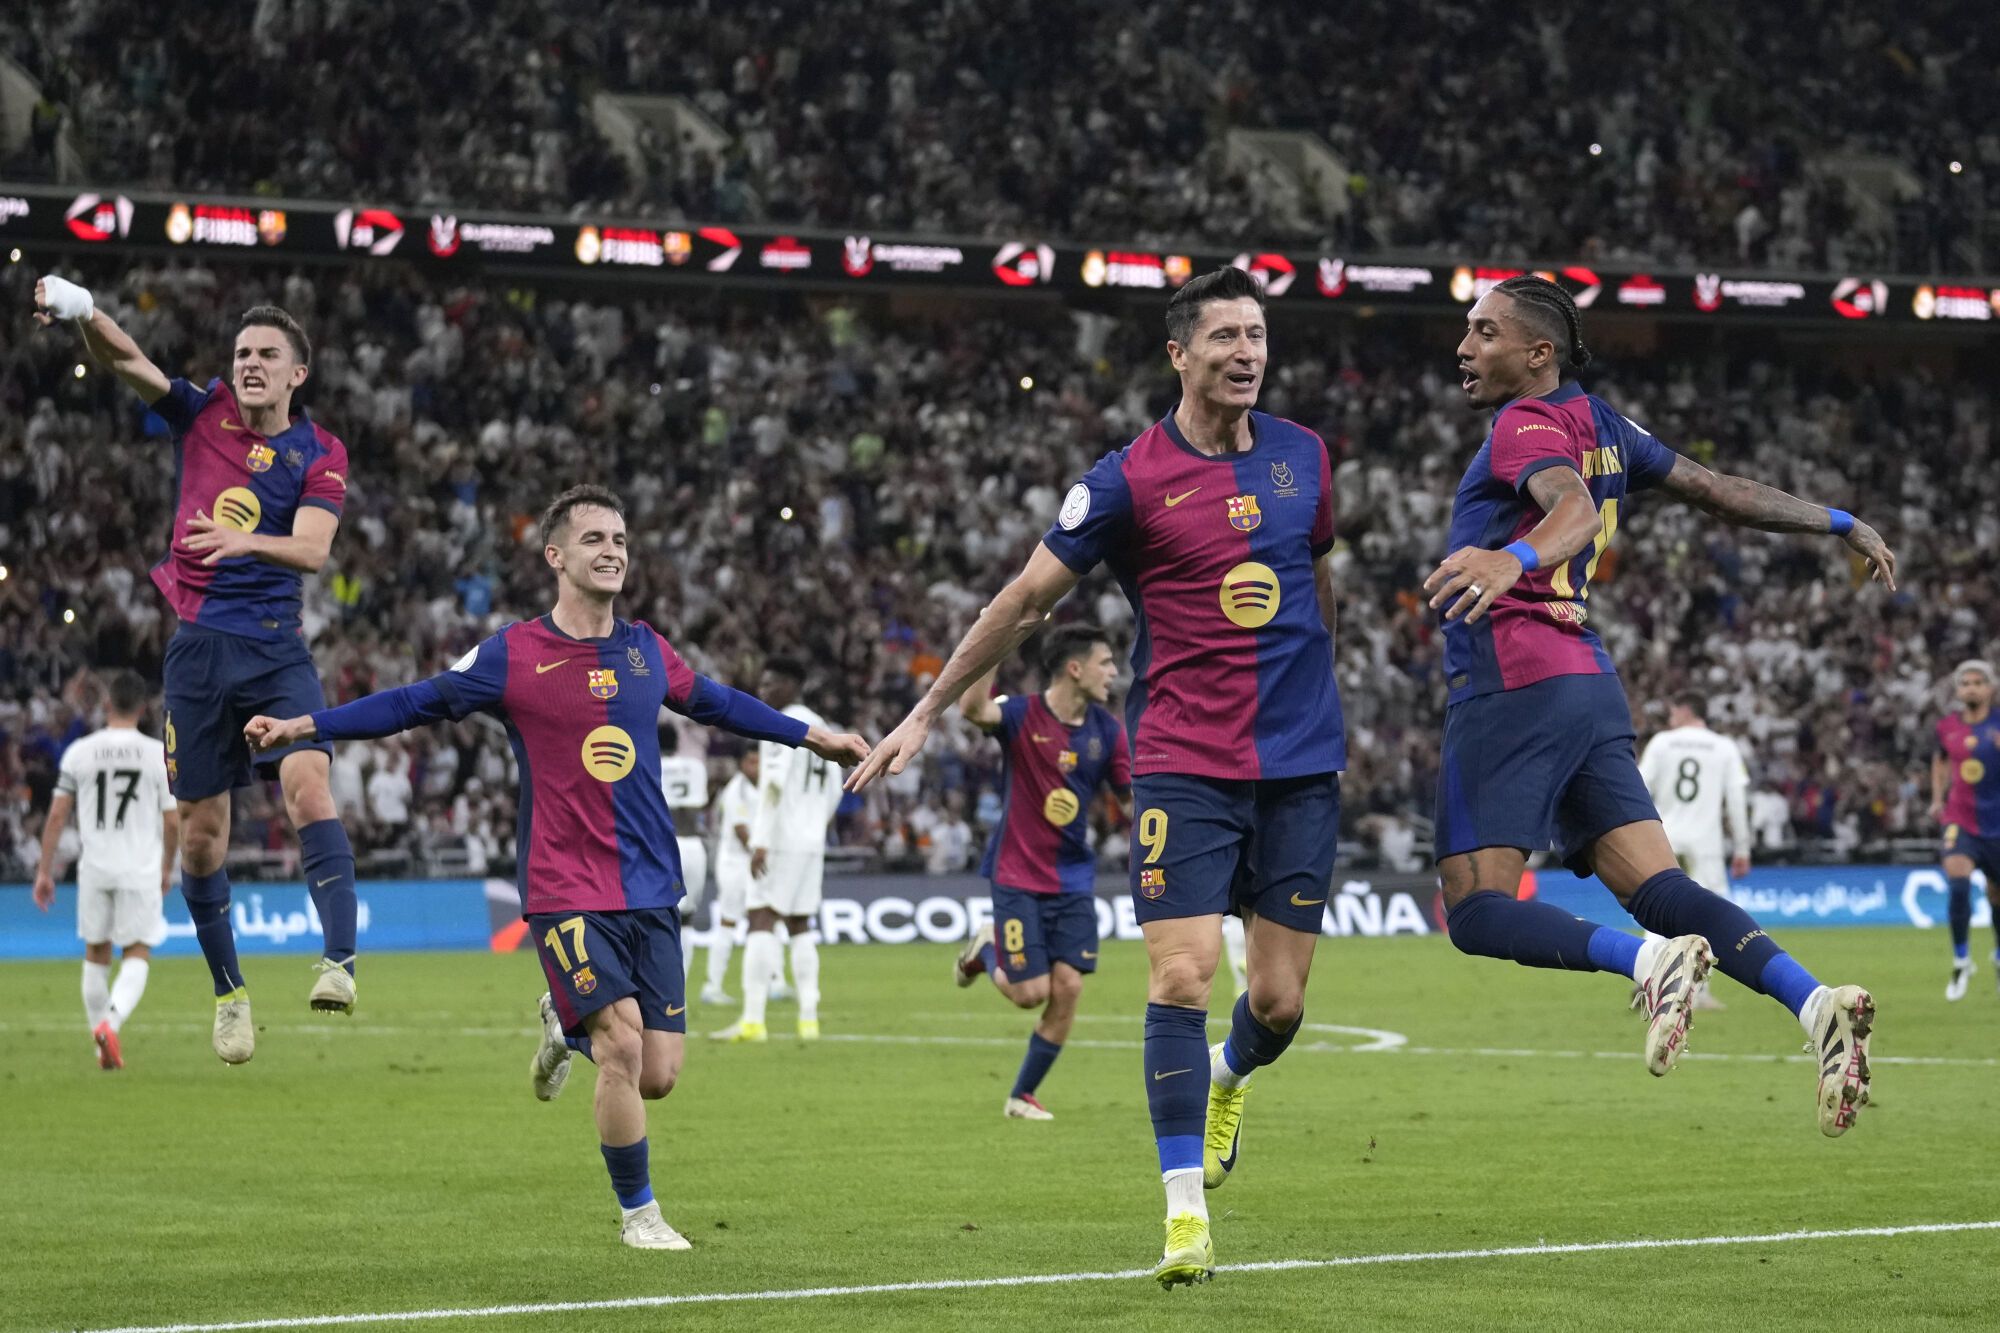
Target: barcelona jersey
1052, 772
1233, 664
1539, 628
1972, 751
247, 481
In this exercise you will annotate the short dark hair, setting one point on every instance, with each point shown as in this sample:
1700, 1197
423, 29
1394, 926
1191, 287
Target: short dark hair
130, 693
1694, 701
1551, 313
780, 664
275, 317
576, 497
1066, 642
1224, 284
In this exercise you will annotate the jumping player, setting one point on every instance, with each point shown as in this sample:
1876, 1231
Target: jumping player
1060, 746
1538, 736
1965, 796
260, 494
1218, 521
580, 692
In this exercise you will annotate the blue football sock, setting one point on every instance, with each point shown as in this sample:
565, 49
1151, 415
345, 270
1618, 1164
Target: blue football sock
629, 1178
1960, 912
1250, 1045
987, 958
1176, 1070
1492, 924
1671, 904
329, 869
208, 904
1035, 1065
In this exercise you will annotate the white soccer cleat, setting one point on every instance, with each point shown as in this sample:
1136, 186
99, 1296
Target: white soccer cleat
1838, 1020
235, 1038
1961, 977
1679, 968
966, 967
644, 1229
548, 1072
1026, 1108
333, 991
716, 996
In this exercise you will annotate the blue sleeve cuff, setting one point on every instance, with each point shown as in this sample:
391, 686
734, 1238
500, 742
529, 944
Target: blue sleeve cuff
1842, 522
1555, 460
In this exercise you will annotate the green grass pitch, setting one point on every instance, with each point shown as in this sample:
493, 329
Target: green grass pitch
397, 1162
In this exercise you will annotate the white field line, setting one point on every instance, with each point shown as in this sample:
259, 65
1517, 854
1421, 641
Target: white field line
1044, 1279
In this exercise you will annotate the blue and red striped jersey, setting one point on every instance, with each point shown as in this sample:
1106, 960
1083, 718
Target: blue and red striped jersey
1050, 775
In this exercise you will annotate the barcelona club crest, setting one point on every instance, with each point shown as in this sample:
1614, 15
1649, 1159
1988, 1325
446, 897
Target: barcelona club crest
1066, 761
603, 682
1244, 515
583, 980
261, 457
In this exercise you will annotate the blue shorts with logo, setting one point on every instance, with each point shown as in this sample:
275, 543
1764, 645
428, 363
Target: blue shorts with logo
594, 959
1984, 849
1031, 931
216, 682
1548, 765
1210, 846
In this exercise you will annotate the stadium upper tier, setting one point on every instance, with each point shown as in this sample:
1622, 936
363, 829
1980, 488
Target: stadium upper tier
852, 491
1603, 133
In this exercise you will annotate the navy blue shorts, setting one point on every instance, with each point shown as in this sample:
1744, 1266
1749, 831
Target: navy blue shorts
218, 681
1209, 846
1548, 765
593, 959
1033, 930
1984, 849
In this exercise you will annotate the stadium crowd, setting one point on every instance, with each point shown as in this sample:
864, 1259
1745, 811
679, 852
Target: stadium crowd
1655, 135
813, 480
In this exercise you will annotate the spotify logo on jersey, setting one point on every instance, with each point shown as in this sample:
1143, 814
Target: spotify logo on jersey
239, 508
1971, 771
608, 754
1250, 595
1061, 808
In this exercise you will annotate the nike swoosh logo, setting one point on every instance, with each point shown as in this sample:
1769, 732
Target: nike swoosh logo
676, 1010
1088, 954
1173, 500
1170, 1073
227, 424
1306, 902
540, 667
320, 884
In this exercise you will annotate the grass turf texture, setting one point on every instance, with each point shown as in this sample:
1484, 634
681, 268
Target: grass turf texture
397, 1161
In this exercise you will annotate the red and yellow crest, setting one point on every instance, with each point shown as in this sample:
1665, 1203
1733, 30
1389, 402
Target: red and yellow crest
260, 457
583, 980
603, 682
1244, 514
1066, 761
1152, 883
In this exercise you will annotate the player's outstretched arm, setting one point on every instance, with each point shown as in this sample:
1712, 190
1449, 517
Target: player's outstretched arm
382, 714
979, 706
1005, 624
1752, 504
58, 298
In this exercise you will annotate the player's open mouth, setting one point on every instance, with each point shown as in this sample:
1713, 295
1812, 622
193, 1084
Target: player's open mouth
1242, 379
1467, 378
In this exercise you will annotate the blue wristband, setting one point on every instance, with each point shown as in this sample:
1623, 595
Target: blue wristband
1525, 553
1842, 521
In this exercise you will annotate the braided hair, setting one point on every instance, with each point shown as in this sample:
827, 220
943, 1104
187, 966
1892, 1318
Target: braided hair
1553, 315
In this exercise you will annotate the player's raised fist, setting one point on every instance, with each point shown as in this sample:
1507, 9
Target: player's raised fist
270, 733
843, 747
894, 754
59, 298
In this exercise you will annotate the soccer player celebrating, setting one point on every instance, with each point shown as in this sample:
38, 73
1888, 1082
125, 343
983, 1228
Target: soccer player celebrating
116, 781
1538, 737
580, 692
1060, 746
1218, 521
1965, 795
261, 491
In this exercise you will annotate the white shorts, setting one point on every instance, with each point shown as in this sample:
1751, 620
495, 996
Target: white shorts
732, 889
694, 873
123, 917
1707, 869
790, 884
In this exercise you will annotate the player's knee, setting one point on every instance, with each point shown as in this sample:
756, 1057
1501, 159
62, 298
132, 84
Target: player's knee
1065, 988
1180, 980
1032, 993
657, 1083
99, 953
1278, 1008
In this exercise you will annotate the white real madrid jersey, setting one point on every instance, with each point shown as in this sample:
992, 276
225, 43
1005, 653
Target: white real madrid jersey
798, 793
684, 779
1697, 776
119, 780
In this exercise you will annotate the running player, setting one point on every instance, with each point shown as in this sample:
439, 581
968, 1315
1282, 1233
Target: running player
1061, 745
787, 865
1696, 777
580, 692
1965, 796
260, 494
733, 812
116, 781
1218, 521
1538, 737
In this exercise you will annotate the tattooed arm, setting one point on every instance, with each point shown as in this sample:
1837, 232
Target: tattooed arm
1752, 504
